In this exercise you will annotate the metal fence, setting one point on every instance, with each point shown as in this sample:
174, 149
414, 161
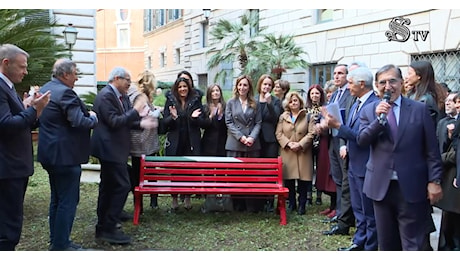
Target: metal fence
446, 66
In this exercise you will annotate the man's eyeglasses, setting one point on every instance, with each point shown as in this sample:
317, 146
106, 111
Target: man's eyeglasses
127, 79
392, 82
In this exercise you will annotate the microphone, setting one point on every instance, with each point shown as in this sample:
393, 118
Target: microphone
383, 116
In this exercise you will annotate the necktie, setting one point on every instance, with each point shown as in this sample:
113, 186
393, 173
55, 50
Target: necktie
392, 122
355, 112
122, 104
337, 98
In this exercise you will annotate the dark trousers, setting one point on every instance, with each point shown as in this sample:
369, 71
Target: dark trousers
113, 191
12, 193
345, 217
336, 170
65, 195
363, 210
134, 177
239, 202
449, 233
400, 225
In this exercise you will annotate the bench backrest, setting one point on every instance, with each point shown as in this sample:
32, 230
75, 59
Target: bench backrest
213, 170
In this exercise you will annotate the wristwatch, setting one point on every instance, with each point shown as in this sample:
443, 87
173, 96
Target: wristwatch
436, 181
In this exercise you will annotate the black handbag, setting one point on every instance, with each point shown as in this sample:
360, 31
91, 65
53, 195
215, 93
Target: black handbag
217, 203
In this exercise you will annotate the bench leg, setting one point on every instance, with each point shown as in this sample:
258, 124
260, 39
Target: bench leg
281, 210
137, 207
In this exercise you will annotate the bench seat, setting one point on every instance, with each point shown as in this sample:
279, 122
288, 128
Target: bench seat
211, 175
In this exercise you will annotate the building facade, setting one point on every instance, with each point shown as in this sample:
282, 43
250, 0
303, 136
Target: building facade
84, 50
120, 42
177, 39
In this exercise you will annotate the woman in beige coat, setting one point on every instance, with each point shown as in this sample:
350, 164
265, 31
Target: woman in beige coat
295, 136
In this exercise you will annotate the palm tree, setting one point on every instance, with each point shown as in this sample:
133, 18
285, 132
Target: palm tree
237, 43
256, 55
30, 29
278, 53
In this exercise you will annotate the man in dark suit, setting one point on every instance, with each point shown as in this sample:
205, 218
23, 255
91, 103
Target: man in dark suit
339, 158
404, 168
17, 119
110, 143
63, 145
360, 82
442, 129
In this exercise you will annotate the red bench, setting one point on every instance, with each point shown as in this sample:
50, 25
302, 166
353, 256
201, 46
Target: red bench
211, 175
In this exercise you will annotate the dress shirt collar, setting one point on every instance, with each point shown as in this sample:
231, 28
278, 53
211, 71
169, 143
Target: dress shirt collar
8, 82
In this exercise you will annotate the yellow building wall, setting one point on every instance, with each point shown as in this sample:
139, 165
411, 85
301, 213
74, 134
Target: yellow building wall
166, 39
108, 53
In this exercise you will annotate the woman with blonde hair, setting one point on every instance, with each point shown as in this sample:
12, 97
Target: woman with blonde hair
295, 137
144, 141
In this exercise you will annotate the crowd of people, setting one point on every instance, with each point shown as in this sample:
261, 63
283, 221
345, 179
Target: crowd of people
358, 156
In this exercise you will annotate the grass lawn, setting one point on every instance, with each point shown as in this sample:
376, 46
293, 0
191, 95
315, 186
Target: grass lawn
184, 230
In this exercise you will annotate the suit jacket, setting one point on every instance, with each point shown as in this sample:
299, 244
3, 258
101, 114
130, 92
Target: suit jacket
414, 155
16, 123
240, 124
65, 127
441, 132
111, 137
270, 115
357, 155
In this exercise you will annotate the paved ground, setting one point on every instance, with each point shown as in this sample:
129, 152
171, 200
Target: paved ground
437, 220
93, 176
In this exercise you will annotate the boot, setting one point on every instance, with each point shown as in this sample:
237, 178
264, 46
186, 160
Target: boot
302, 188
319, 200
290, 184
309, 198
154, 201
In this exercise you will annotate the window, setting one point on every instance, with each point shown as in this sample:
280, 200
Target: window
123, 14
149, 62
162, 60
321, 73
123, 37
177, 56
325, 15
254, 18
174, 14
446, 66
160, 15
202, 81
228, 82
149, 20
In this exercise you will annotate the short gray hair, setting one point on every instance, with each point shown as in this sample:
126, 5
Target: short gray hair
118, 72
62, 67
10, 51
361, 74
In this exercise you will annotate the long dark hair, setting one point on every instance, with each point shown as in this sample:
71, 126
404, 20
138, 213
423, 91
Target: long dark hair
322, 99
175, 90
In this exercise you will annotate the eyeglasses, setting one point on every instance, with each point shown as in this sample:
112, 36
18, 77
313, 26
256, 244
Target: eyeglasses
127, 79
392, 82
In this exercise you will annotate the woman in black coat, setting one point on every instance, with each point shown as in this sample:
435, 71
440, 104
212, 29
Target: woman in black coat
215, 129
182, 121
